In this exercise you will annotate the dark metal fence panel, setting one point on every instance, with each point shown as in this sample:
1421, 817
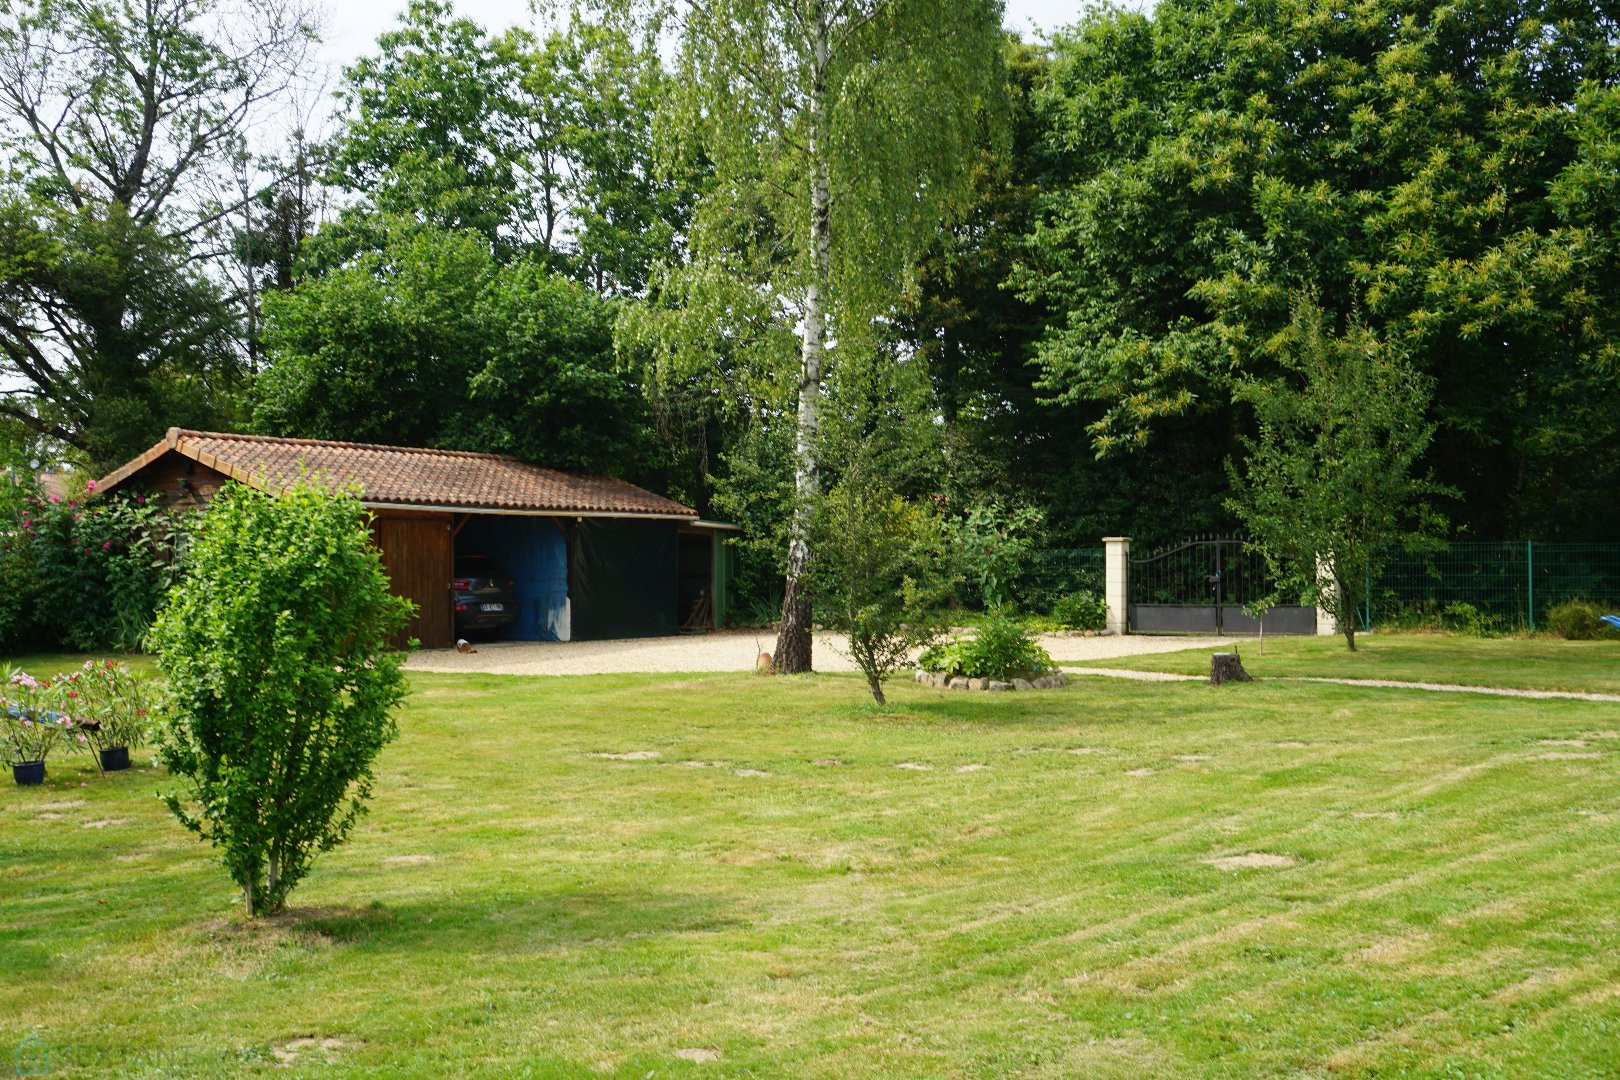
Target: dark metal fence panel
1509, 584
1573, 571
1202, 585
1201, 571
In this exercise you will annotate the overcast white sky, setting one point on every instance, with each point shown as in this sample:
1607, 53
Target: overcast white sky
353, 25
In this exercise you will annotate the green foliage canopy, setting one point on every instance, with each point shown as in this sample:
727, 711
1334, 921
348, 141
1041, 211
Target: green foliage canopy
429, 341
1435, 171
120, 128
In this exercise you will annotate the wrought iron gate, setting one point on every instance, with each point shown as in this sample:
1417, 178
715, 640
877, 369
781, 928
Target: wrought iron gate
1200, 586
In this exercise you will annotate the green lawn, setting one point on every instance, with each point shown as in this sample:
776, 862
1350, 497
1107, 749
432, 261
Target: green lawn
1038, 902
1521, 663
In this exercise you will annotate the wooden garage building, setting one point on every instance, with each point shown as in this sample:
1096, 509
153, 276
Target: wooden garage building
592, 557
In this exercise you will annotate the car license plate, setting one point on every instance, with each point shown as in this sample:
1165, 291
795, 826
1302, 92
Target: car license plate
492, 607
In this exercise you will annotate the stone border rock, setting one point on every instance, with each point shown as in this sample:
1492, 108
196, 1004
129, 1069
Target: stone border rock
960, 682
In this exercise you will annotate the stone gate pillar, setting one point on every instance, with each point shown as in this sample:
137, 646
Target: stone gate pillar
1116, 575
1326, 625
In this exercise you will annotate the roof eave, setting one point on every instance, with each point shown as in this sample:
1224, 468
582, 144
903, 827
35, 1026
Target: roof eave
510, 511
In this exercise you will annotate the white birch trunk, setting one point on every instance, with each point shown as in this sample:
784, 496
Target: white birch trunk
793, 643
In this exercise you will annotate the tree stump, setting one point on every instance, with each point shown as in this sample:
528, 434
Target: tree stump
1227, 667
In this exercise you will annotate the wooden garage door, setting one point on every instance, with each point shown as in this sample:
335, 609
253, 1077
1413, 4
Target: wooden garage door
416, 552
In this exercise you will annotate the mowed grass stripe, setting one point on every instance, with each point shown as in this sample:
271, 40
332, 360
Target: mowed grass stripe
515, 906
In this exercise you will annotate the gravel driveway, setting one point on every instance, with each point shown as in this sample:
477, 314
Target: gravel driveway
730, 650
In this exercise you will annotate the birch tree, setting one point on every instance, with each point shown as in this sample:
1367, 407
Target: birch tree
840, 134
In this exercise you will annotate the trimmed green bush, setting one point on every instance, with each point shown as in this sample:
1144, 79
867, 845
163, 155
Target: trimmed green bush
1081, 611
282, 681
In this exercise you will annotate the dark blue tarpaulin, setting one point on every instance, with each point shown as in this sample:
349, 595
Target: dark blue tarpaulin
534, 553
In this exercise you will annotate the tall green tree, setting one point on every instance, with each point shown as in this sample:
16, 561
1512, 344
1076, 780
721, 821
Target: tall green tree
120, 125
1405, 160
839, 133
428, 340
625, 213
1333, 480
436, 126
541, 146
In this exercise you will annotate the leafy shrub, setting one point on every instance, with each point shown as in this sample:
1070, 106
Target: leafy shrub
281, 680
1081, 611
19, 591
878, 566
999, 649
760, 609
1468, 619
1579, 620
990, 546
1050, 574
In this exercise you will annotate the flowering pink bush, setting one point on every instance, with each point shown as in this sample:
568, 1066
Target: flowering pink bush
83, 574
102, 705
111, 702
35, 717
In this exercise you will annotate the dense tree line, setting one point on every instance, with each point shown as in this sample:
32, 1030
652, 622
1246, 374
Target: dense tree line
1045, 277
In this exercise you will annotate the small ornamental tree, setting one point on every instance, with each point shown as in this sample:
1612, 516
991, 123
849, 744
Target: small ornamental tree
281, 680
1330, 485
879, 567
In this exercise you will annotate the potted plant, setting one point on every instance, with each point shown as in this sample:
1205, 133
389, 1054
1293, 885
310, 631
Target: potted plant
109, 703
29, 726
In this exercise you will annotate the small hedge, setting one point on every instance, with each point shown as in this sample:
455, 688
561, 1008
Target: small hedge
1000, 649
1580, 620
1081, 611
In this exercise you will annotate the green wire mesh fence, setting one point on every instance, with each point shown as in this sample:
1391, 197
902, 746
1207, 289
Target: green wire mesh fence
1489, 585
1049, 574
1503, 585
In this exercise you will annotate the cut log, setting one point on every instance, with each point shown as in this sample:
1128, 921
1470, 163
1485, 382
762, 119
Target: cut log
1227, 667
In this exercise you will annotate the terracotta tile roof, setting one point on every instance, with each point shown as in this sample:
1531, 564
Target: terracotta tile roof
409, 476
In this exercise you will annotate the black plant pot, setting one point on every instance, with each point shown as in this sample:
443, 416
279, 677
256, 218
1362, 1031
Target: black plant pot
29, 772
114, 758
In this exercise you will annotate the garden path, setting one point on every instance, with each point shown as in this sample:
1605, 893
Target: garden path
731, 650
1397, 684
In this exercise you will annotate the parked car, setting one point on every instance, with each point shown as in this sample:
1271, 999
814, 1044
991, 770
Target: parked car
484, 597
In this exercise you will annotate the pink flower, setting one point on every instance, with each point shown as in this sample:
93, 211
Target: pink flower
140, 500
56, 498
106, 545
91, 486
